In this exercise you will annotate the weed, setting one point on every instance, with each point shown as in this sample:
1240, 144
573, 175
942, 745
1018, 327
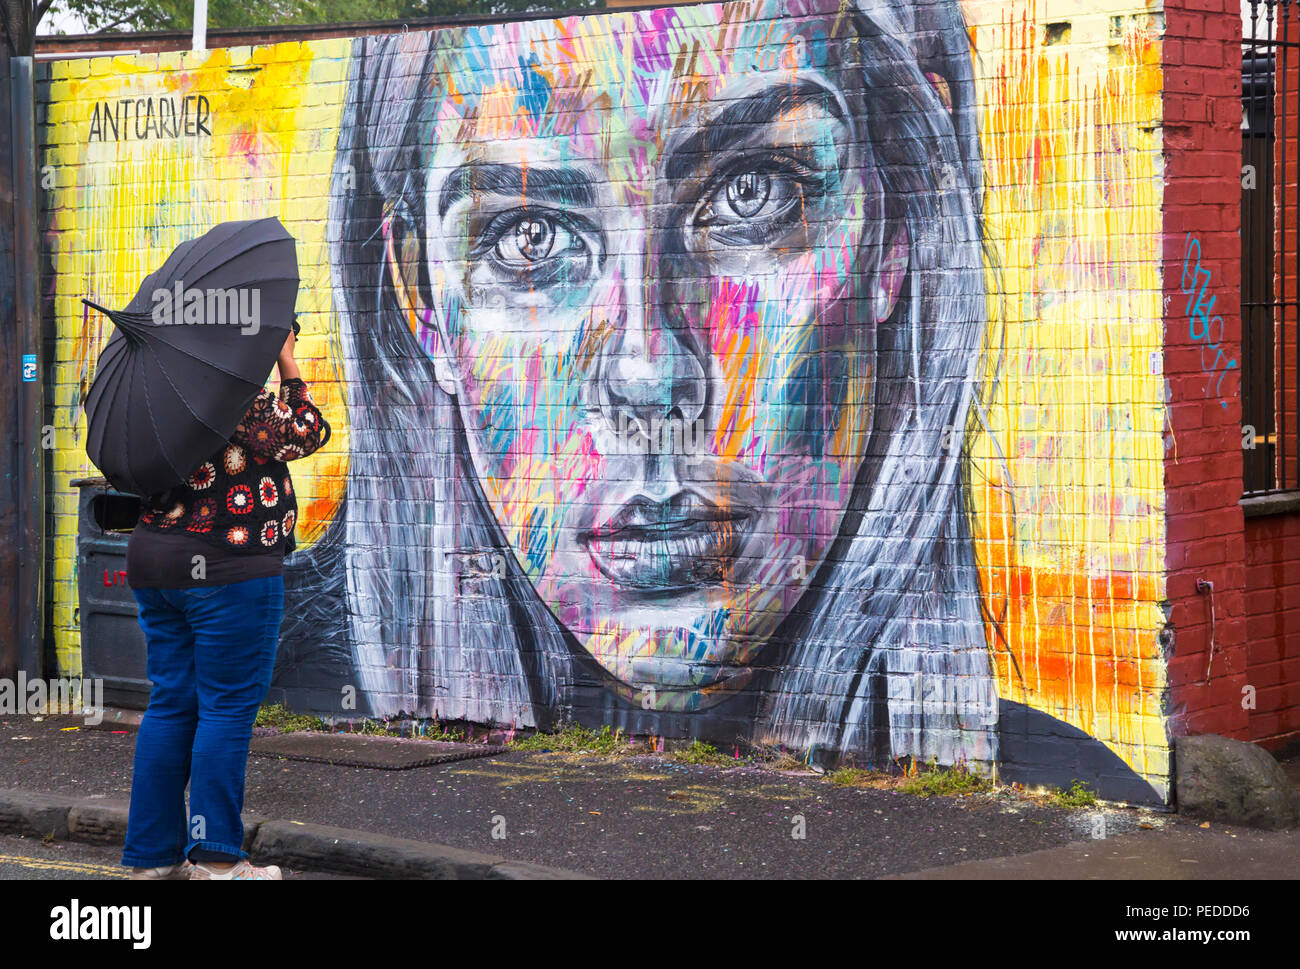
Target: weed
958, 779
1077, 795
374, 728
786, 762
576, 740
854, 777
701, 753
774, 757
278, 715
436, 731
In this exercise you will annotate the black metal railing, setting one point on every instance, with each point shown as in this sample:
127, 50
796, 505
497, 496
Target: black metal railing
1270, 238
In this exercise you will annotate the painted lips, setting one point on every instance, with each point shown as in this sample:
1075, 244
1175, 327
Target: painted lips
664, 547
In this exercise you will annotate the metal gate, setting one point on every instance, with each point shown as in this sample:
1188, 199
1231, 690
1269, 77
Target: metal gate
1270, 238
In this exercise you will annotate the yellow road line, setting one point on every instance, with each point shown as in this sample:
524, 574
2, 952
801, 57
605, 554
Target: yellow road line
83, 868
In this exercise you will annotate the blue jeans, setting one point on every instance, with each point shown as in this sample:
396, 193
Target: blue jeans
211, 652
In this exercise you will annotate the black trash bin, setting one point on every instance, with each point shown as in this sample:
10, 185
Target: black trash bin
112, 643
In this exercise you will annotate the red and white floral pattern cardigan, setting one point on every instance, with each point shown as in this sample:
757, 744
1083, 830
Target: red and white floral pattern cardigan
242, 497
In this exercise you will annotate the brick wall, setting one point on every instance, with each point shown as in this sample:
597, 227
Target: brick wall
1203, 464
1248, 689
1272, 600
1272, 609
1006, 602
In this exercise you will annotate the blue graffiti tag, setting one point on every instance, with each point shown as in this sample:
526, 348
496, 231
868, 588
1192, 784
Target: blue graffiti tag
1200, 324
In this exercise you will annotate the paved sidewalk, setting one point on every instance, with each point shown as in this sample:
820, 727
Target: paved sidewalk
60, 819
647, 816
1178, 853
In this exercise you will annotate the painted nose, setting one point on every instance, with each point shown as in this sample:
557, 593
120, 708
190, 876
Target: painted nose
650, 372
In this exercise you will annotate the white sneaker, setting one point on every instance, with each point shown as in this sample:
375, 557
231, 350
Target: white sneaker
167, 873
242, 871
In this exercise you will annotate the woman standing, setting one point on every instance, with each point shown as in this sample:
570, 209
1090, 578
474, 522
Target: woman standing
205, 564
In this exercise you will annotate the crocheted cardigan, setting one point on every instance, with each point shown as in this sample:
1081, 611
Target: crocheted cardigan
242, 499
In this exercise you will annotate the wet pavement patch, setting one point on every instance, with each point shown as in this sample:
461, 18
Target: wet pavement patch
382, 753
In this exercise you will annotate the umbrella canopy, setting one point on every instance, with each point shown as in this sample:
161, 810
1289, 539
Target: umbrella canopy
189, 354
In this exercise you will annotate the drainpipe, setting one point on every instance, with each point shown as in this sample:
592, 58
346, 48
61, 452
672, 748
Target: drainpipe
22, 379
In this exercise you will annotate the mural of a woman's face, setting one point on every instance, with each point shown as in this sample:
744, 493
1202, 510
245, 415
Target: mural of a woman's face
655, 290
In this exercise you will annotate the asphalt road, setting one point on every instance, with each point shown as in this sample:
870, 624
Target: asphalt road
32, 859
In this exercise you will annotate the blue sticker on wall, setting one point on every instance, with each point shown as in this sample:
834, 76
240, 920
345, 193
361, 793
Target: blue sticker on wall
29, 367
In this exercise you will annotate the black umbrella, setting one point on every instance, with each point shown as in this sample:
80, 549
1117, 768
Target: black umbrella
189, 354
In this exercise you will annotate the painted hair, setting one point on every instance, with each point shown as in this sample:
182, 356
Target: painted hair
886, 654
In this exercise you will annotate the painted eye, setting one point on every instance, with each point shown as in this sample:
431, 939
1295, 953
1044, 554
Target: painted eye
754, 205
531, 248
533, 239
748, 192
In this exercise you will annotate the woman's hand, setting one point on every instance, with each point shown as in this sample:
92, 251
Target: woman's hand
286, 363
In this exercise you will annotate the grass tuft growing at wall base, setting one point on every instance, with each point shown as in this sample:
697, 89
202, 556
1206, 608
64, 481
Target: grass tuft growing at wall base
279, 716
959, 779
699, 752
573, 739
1077, 795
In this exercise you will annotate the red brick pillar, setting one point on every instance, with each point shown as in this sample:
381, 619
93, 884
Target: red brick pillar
1202, 361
